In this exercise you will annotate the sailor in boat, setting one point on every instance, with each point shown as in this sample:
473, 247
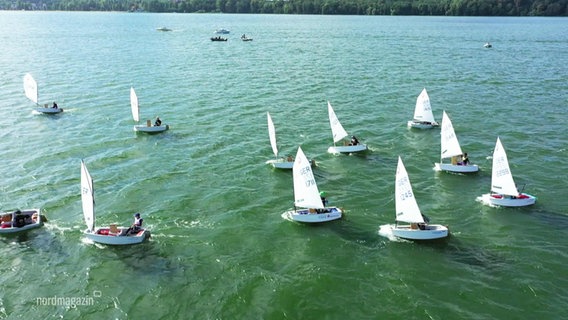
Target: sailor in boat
158, 122
324, 201
465, 160
243, 36
290, 158
55, 105
354, 141
136, 226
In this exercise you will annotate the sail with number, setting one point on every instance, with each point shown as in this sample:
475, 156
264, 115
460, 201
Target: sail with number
502, 181
87, 197
134, 105
450, 145
423, 110
30, 88
306, 194
336, 127
405, 204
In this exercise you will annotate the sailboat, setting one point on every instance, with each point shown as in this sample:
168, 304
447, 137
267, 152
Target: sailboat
339, 133
308, 204
31, 91
149, 128
423, 116
503, 189
112, 235
20, 220
280, 163
407, 211
450, 148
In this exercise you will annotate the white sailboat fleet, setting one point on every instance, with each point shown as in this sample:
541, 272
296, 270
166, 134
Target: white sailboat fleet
148, 127
503, 189
339, 133
450, 148
31, 91
308, 204
407, 211
111, 235
423, 116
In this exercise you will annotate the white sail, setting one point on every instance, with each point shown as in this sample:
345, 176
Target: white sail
272, 134
87, 197
450, 146
336, 127
423, 109
134, 105
501, 178
30, 88
405, 204
306, 194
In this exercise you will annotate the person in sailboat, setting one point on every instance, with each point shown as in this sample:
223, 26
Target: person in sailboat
136, 226
158, 122
55, 105
354, 141
465, 159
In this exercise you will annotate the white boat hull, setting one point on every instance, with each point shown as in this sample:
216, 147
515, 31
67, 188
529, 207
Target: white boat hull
421, 125
104, 236
8, 228
313, 216
505, 201
151, 129
457, 168
431, 232
347, 149
49, 110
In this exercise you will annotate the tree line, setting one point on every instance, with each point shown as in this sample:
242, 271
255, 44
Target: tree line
323, 7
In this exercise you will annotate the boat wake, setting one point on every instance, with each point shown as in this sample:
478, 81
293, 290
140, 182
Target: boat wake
386, 231
484, 199
287, 216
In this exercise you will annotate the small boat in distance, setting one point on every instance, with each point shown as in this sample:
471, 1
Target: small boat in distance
148, 127
112, 235
306, 196
280, 162
20, 220
450, 148
407, 211
339, 133
503, 189
487, 45
219, 38
245, 38
164, 29
222, 31
423, 116
31, 91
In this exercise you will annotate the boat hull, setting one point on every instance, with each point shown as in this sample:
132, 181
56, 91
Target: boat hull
49, 110
285, 164
457, 168
105, 236
347, 149
313, 216
522, 200
8, 228
151, 129
431, 232
420, 125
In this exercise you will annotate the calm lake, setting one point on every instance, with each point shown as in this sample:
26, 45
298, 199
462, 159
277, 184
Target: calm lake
219, 247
